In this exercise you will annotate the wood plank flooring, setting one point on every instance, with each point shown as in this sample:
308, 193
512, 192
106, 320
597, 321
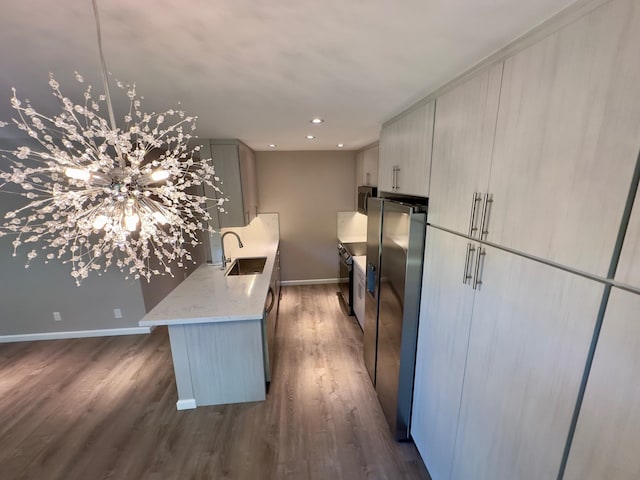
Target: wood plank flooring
104, 408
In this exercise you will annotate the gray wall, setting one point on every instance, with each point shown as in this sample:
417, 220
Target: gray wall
307, 189
29, 296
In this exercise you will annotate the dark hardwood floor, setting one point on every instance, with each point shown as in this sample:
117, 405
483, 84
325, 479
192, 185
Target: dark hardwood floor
104, 408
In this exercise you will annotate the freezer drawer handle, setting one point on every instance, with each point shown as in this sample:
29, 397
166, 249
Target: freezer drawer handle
466, 277
477, 281
477, 197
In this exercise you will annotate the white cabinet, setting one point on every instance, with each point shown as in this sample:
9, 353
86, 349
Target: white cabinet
500, 360
235, 165
567, 140
358, 291
462, 146
443, 337
405, 152
530, 334
367, 166
607, 435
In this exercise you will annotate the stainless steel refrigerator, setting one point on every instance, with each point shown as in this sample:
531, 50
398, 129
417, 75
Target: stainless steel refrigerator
395, 253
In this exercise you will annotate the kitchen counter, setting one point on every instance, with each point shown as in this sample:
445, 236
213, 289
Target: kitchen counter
217, 324
208, 296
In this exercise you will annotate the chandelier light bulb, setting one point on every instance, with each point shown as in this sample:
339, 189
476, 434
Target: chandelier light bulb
131, 222
77, 173
100, 221
160, 218
159, 175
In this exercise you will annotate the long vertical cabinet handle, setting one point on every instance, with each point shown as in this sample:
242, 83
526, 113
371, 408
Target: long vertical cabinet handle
477, 280
486, 212
393, 178
397, 175
474, 212
467, 262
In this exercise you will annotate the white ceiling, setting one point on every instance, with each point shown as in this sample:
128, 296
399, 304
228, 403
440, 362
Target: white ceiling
260, 70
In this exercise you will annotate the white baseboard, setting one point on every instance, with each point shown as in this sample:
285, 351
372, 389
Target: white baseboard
186, 404
107, 332
317, 281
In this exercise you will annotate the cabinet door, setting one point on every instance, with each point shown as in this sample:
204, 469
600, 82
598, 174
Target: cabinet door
629, 266
443, 334
607, 436
360, 169
371, 166
567, 139
388, 157
530, 334
249, 180
462, 146
405, 153
225, 160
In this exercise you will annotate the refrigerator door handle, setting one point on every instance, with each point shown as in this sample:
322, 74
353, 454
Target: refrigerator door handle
474, 212
466, 277
371, 278
477, 281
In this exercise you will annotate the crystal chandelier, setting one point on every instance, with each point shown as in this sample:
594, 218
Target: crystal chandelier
97, 195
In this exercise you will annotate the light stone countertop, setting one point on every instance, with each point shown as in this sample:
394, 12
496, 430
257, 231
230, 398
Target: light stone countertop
353, 239
208, 296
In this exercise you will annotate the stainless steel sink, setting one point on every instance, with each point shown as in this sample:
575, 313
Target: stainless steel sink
247, 266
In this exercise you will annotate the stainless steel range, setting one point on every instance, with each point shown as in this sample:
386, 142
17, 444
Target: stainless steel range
346, 251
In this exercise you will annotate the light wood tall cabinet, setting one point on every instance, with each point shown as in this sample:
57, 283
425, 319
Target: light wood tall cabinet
608, 430
443, 336
503, 342
530, 334
405, 152
463, 138
567, 140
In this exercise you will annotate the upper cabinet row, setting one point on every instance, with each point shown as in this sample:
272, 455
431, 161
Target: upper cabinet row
537, 152
405, 151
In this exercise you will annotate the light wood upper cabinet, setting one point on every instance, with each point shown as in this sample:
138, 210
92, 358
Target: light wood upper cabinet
248, 181
567, 139
443, 336
370, 168
607, 435
531, 330
462, 146
629, 266
367, 168
235, 165
405, 152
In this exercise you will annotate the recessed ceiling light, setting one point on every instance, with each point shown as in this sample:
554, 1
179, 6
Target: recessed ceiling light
272, 145
317, 121
340, 145
310, 137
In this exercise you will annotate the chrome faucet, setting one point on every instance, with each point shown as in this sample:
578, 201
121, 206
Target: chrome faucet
224, 256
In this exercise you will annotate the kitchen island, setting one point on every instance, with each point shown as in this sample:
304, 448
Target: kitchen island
217, 327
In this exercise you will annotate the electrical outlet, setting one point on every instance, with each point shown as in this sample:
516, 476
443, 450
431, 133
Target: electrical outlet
56, 316
117, 313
